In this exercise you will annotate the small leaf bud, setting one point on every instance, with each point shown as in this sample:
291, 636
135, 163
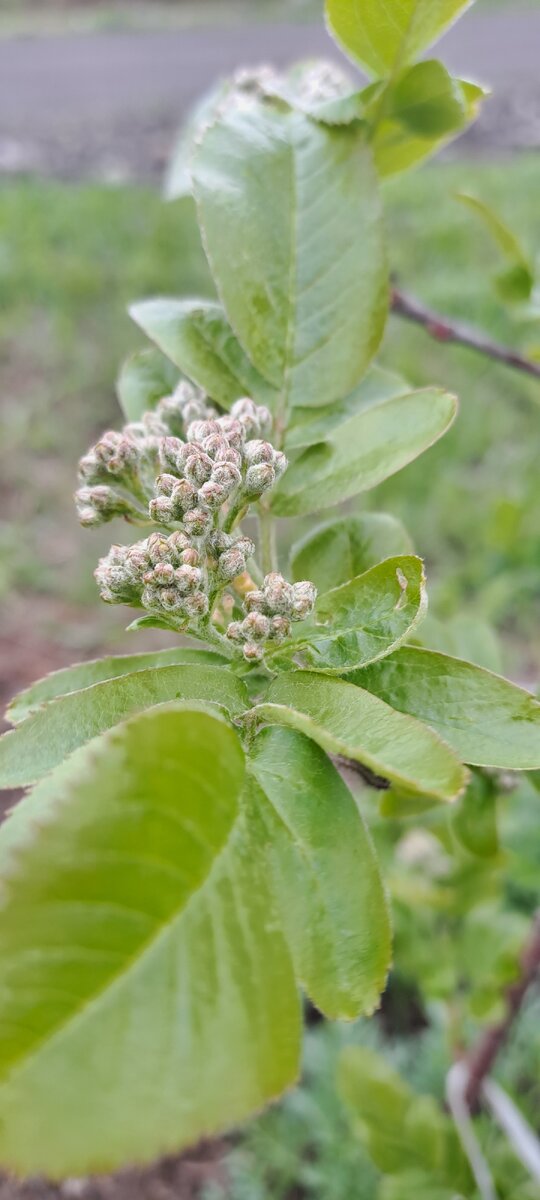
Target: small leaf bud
198, 522
260, 479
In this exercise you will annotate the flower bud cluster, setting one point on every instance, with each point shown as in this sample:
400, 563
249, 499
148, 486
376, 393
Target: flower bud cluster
270, 613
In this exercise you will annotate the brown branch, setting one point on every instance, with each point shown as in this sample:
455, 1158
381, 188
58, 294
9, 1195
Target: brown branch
443, 329
483, 1056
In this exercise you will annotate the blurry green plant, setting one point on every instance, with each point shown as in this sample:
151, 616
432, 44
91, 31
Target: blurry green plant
190, 856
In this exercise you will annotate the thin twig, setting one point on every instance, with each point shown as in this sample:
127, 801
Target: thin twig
456, 1091
444, 329
483, 1056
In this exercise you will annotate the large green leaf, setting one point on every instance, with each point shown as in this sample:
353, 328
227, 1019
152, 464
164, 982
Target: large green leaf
83, 675
363, 451
44, 740
488, 721
178, 179
144, 380
383, 36
147, 993
311, 425
347, 721
291, 219
196, 336
327, 882
342, 549
363, 620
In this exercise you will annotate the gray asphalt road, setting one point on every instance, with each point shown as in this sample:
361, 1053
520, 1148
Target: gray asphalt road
109, 103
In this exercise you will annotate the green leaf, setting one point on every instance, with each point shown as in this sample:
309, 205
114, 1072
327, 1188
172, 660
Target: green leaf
305, 290
310, 425
517, 283
83, 675
144, 380
195, 335
327, 883
41, 742
419, 1184
363, 451
427, 101
341, 549
347, 721
384, 37
474, 818
363, 620
463, 636
148, 997
488, 721
397, 148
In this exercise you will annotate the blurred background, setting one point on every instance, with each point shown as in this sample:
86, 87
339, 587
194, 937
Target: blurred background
91, 97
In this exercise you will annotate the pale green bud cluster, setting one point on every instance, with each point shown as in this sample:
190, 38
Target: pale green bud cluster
270, 613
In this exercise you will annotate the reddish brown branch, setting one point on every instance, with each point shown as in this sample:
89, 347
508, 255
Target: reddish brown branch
443, 329
483, 1056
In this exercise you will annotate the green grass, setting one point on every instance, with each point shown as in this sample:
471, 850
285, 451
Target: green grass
71, 259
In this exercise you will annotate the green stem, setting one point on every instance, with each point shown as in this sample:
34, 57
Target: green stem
268, 543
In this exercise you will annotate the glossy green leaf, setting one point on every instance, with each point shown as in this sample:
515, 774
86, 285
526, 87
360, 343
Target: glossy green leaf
83, 675
364, 619
342, 549
292, 225
385, 36
474, 818
196, 336
148, 997
41, 742
488, 721
311, 425
144, 380
347, 721
363, 451
327, 883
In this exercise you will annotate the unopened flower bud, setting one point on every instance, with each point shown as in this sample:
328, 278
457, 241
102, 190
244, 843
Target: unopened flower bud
278, 595
219, 541
253, 652
151, 597
170, 453
96, 505
171, 600
234, 631
163, 574
157, 548
196, 605
245, 545
257, 451
183, 498
281, 463
227, 476
187, 579
165, 485
212, 495
231, 564
177, 545
280, 629
190, 557
256, 627
256, 419
199, 430
260, 479
233, 431
198, 522
304, 597
254, 602
161, 510
198, 467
